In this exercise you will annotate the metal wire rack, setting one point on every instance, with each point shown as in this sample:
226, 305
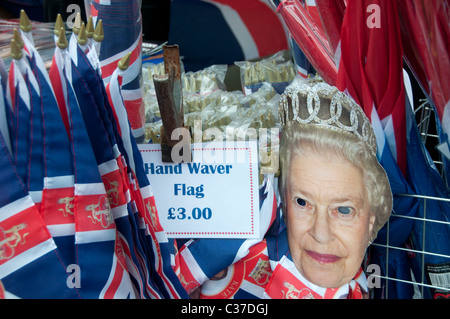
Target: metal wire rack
422, 281
424, 284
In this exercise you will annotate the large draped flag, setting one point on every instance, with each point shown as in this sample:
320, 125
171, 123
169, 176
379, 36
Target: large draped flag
371, 55
122, 36
224, 31
427, 55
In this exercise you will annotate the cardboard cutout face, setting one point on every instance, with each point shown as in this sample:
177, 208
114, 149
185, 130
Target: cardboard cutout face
328, 218
336, 196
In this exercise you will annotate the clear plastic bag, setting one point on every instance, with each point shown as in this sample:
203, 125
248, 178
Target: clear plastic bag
274, 70
205, 81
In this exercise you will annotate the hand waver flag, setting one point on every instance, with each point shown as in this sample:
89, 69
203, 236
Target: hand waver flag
157, 246
29, 258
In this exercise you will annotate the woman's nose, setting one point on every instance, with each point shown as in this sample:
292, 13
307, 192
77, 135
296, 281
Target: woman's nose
320, 229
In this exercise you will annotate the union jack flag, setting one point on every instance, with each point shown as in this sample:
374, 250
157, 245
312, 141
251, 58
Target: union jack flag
122, 20
155, 243
29, 258
196, 260
224, 31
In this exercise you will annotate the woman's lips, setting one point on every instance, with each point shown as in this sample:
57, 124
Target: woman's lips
323, 258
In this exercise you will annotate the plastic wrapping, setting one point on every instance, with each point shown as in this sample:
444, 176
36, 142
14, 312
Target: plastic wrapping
150, 100
274, 69
231, 114
42, 38
205, 81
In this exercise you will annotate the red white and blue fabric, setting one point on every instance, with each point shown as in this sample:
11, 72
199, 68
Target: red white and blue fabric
302, 22
286, 282
159, 260
52, 164
112, 169
122, 25
224, 31
197, 262
5, 113
29, 258
56, 75
426, 27
95, 232
371, 71
425, 39
426, 180
19, 113
40, 95
26, 119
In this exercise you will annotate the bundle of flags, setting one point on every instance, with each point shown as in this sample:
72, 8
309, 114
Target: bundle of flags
76, 207
357, 45
122, 23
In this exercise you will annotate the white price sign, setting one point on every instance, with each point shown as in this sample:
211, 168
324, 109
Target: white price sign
214, 196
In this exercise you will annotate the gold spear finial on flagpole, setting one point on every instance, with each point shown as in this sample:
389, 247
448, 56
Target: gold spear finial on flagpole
18, 38
82, 37
58, 24
77, 24
62, 40
90, 28
124, 62
16, 51
24, 22
98, 33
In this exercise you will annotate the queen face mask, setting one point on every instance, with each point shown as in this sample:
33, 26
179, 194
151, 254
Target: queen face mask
328, 218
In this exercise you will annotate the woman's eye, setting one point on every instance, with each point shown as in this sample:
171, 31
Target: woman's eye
344, 210
301, 202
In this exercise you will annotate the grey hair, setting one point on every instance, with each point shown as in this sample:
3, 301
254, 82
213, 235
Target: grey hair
297, 139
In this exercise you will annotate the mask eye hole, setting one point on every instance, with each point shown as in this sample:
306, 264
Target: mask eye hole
344, 210
301, 202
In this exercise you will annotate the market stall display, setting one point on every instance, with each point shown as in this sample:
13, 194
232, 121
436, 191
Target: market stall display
81, 109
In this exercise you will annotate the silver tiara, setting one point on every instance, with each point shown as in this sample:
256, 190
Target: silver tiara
324, 105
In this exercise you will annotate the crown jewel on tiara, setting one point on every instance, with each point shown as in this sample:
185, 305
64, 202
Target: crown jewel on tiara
324, 105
